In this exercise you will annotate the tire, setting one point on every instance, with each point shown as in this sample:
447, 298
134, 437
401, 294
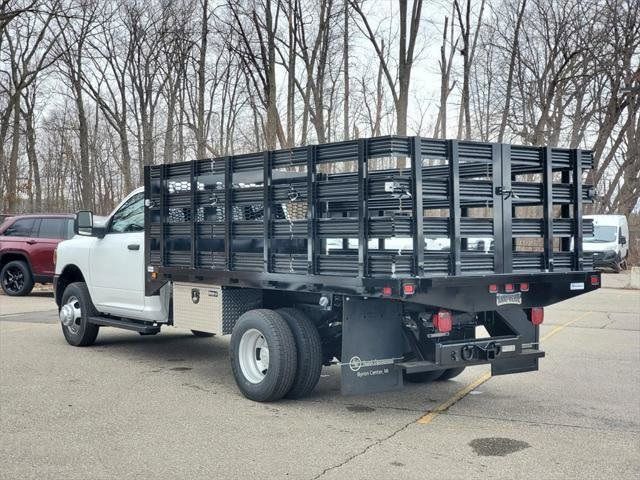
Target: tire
450, 373
257, 379
198, 333
81, 333
16, 278
309, 348
423, 377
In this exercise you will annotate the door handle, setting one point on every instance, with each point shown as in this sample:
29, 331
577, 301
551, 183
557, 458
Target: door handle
31, 241
133, 246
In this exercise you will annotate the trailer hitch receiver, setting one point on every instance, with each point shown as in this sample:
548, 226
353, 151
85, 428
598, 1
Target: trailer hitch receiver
490, 351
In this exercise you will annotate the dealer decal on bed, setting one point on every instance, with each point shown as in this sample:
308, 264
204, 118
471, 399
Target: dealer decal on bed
509, 298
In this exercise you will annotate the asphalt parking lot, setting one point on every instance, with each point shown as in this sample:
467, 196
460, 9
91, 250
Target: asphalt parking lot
167, 407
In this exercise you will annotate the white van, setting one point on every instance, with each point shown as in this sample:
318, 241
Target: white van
610, 241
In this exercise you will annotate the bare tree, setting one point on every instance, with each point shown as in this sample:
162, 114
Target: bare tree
446, 86
406, 52
29, 42
468, 54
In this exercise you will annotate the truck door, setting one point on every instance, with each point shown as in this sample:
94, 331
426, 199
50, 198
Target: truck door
45, 239
117, 261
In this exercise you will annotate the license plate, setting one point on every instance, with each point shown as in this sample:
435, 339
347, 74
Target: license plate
509, 299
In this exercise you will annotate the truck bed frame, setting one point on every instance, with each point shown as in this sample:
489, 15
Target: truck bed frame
344, 195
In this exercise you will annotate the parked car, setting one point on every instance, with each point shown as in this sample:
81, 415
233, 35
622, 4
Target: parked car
27, 243
610, 241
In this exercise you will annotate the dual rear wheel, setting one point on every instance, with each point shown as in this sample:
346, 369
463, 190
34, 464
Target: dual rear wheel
275, 354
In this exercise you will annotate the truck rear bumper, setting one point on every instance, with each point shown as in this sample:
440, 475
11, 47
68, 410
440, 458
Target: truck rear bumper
505, 355
379, 346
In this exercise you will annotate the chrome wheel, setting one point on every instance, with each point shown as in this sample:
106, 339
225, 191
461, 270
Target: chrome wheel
253, 355
71, 315
13, 280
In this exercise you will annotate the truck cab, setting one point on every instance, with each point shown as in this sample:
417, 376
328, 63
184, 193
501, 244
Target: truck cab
609, 242
108, 256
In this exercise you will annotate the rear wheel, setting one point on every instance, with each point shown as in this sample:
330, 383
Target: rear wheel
198, 333
263, 355
75, 311
16, 278
423, 377
309, 348
450, 373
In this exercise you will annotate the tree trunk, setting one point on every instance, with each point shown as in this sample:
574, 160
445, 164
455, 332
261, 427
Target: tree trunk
345, 62
512, 64
12, 184
201, 143
83, 138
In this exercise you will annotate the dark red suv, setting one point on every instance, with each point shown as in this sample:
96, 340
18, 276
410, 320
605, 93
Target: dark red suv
27, 243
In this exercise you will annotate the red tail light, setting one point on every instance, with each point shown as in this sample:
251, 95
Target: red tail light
537, 315
409, 289
509, 288
386, 291
595, 280
493, 288
524, 287
442, 321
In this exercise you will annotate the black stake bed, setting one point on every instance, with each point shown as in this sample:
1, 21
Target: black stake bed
345, 217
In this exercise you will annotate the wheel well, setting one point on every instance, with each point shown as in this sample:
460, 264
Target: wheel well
70, 274
11, 256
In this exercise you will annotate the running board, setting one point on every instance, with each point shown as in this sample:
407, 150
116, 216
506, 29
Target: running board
125, 324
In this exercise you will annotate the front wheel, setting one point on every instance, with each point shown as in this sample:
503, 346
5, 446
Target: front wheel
16, 279
75, 311
263, 355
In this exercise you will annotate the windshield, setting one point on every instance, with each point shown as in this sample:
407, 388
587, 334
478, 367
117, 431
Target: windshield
602, 234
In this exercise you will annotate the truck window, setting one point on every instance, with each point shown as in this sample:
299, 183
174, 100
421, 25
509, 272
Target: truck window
602, 234
130, 216
50, 228
20, 228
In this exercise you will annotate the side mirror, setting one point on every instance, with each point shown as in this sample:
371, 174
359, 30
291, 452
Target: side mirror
623, 240
83, 224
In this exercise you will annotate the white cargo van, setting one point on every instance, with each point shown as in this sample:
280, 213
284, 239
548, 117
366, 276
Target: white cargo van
610, 241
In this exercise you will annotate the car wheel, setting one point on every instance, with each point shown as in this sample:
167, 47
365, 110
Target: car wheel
16, 278
309, 348
75, 311
263, 355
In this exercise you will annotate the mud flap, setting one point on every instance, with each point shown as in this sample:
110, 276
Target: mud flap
372, 342
515, 319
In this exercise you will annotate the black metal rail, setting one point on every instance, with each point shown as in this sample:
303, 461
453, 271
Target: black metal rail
371, 208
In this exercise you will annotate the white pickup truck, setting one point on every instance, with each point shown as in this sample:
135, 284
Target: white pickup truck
304, 268
105, 273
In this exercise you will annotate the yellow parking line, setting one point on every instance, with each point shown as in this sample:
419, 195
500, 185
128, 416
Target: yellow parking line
460, 394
